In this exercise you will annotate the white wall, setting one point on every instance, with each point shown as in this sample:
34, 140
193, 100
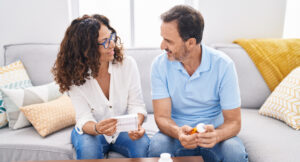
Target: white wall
292, 21
227, 20
23, 21
45, 21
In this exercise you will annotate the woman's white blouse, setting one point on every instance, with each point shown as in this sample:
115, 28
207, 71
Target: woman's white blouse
125, 96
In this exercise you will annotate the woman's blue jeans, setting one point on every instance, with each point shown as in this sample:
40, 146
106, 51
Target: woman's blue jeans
95, 147
230, 150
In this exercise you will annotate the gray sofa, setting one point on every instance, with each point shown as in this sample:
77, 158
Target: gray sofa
266, 139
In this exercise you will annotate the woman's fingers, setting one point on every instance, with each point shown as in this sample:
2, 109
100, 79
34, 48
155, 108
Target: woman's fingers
106, 126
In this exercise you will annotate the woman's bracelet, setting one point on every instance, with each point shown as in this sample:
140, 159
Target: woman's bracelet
95, 128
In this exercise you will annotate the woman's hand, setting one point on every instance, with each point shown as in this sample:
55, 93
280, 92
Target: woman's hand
137, 134
107, 127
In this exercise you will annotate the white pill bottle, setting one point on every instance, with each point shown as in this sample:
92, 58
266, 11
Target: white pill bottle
165, 157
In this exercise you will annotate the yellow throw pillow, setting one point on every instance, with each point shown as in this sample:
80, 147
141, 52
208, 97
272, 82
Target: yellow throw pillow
51, 116
284, 102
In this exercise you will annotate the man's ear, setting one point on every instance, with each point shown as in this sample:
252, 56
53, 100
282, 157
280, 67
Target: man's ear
191, 42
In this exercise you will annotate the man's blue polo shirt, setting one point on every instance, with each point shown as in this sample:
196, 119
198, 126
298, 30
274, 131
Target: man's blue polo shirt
201, 97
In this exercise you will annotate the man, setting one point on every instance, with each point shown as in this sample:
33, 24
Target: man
193, 84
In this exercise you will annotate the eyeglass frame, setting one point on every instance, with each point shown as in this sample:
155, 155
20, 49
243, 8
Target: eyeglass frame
108, 39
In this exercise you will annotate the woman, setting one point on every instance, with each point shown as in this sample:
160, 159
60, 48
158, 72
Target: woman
102, 83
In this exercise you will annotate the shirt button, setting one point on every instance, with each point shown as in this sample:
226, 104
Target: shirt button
110, 107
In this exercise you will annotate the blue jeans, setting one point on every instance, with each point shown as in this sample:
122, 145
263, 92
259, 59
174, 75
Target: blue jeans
231, 150
95, 147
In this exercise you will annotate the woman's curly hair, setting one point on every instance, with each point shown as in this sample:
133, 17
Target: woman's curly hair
78, 57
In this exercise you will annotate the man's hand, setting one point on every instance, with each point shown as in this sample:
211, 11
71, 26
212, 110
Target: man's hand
107, 127
187, 141
207, 139
137, 134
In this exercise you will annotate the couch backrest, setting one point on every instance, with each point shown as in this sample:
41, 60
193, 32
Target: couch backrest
39, 58
144, 58
254, 90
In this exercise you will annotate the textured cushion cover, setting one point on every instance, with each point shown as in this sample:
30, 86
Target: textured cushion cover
51, 116
16, 98
12, 76
284, 102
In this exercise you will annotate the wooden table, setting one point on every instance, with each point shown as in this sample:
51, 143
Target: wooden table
175, 159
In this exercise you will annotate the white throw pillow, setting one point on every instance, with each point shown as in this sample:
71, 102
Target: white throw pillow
12, 76
16, 98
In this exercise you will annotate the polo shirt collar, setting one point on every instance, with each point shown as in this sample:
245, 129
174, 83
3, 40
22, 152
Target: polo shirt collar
205, 60
204, 65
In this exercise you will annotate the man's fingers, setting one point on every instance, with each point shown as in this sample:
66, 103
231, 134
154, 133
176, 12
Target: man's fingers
186, 129
205, 140
205, 135
190, 146
209, 128
188, 139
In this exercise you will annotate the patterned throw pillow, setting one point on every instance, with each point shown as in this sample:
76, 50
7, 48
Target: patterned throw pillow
284, 102
16, 98
51, 116
12, 76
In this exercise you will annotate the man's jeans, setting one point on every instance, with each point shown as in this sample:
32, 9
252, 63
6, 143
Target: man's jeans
94, 147
231, 150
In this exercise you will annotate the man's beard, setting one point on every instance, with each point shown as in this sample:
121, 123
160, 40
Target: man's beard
184, 54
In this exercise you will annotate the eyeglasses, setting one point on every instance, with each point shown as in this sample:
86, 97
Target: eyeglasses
106, 42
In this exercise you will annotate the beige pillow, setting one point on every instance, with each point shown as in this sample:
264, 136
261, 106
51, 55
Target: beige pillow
51, 116
284, 102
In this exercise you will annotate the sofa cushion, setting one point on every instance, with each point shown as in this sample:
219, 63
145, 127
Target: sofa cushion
51, 116
267, 139
40, 71
254, 89
27, 145
13, 75
16, 98
284, 102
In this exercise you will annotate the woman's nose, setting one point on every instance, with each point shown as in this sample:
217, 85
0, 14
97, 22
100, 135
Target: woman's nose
112, 44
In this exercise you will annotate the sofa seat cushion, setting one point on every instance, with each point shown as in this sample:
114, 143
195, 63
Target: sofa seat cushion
267, 139
26, 145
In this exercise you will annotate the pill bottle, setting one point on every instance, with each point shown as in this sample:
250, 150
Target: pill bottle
200, 128
165, 157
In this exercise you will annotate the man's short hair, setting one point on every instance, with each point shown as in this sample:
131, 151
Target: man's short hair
190, 21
